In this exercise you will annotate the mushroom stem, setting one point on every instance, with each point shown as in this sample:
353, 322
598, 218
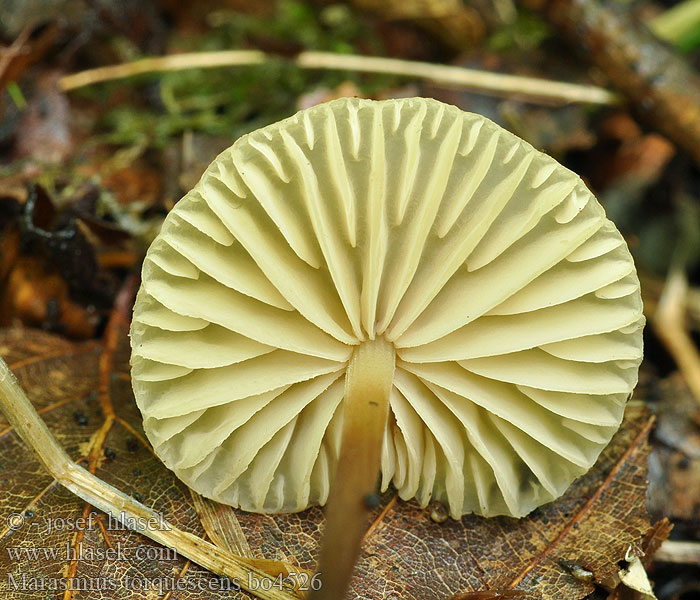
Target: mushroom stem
365, 407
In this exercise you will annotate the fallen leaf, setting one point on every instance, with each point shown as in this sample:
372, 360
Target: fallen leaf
135, 182
50, 538
653, 540
591, 526
9, 235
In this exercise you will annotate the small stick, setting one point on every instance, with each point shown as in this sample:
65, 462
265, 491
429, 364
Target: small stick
530, 88
671, 551
158, 64
134, 515
669, 325
365, 408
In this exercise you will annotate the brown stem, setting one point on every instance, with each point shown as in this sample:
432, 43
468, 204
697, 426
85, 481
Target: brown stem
365, 408
663, 86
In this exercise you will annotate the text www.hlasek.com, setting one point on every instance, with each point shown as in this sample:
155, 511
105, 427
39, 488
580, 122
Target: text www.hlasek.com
68, 552
301, 581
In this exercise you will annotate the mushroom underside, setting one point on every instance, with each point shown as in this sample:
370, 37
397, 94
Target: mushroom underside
510, 301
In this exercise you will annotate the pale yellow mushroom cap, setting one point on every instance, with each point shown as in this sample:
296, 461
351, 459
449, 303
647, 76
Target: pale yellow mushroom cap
511, 301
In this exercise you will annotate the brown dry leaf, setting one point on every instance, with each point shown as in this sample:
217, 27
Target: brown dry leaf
83, 392
656, 536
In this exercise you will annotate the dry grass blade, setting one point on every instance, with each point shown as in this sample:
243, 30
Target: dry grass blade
158, 64
669, 324
221, 524
118, 505
224, 530
529, 88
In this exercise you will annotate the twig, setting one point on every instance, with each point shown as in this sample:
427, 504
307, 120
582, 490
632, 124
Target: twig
663, 87
484, 81
158, 64
671, 551
669, 324
134, 515
530, 88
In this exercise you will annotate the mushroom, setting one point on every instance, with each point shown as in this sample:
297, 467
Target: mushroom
396, 287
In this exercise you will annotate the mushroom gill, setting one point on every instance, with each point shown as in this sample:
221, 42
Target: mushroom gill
508, 302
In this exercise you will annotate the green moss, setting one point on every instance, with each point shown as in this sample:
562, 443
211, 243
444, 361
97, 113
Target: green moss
526, 32
230, 101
